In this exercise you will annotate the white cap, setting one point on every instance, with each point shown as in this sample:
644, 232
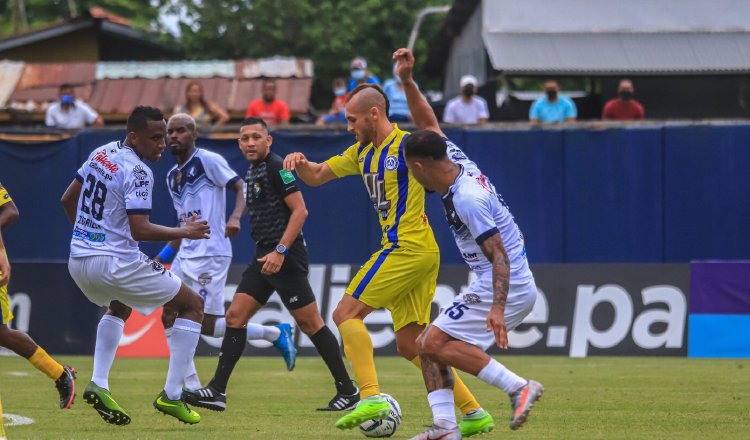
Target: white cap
468, 79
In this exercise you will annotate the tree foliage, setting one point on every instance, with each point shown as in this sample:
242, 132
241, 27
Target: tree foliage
330, 32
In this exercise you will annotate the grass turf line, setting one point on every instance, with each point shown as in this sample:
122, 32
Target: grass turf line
593, 398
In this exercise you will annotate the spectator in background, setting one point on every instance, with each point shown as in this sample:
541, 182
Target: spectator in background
360, 74
624, 107
71, 113
204, 112
552, 107
394, 90
273, 111
336, 114
467, 108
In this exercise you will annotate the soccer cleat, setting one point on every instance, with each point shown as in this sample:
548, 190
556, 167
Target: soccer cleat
342, 402
438, 433
476, 422
105, 405
285, 344
66, 386
522, 401
206, 397
176, 408
371, 408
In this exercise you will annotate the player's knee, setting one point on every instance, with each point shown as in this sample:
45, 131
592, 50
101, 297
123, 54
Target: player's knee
235, 319
407, 349
310, 325
342, 314
428, 346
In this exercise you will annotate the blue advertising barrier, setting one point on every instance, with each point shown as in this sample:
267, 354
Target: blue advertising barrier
644, 194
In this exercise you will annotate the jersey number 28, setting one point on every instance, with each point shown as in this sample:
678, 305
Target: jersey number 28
97, 192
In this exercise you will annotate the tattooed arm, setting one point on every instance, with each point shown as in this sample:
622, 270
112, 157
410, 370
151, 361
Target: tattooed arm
494, 250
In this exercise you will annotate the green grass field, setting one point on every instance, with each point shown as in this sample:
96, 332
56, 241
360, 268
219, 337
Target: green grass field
593, 398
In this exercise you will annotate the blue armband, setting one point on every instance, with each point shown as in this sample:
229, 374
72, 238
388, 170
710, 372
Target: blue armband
167, 254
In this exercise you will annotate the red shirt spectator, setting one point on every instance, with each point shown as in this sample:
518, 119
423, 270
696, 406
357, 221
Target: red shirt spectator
273, 111
624, 107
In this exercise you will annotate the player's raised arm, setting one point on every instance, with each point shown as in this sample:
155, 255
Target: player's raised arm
141, 229
421, 112
312, 173
69, 199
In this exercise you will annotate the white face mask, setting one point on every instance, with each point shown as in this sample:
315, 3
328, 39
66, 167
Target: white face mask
358, 73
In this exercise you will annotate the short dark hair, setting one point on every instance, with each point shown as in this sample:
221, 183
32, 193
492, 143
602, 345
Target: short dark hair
139, 117
425, 144
269, 81
65, 86
253, 121
361, 87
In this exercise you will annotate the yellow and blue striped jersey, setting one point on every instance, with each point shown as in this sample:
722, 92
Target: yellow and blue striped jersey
396, 196
4, 196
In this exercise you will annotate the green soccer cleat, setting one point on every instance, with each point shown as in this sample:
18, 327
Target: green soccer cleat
476, 422
373, 407
176, 408
105, 405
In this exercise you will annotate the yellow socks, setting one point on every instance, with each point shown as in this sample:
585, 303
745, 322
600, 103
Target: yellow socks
359, 352
44, 363
463, 398
2, 422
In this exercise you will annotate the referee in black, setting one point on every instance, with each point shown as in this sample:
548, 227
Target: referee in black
277, 213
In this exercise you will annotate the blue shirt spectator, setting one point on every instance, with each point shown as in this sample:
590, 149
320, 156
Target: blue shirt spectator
553, 107
360, 75
399, 110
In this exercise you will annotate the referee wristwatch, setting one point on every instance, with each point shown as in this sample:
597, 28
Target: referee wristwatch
280, 248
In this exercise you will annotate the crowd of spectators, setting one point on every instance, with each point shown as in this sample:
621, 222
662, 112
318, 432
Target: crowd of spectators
467, 108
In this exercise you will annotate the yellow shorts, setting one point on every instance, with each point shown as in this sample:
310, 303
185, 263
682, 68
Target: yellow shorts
402, 281
5, 314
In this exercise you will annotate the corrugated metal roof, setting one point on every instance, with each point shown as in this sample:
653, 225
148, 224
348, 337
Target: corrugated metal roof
10, 73
608, 37
56, 74
276, 67
164, 69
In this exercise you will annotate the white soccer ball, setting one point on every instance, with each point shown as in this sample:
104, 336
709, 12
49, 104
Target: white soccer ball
386, 427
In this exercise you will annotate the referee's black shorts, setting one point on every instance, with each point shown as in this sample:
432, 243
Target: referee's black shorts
290, 282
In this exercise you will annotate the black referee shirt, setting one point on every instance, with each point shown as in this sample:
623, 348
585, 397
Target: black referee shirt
268, 183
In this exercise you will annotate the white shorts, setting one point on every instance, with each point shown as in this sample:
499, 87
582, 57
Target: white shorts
142, 284
466, 318
207, 276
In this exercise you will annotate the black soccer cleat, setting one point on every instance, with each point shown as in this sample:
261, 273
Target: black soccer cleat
342, 402
66, 386
206, 397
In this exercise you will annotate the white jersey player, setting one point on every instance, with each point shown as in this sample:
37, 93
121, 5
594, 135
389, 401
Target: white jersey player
492, 245
197, 185
108, 203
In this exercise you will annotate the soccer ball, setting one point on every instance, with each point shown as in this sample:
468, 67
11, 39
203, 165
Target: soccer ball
386, 427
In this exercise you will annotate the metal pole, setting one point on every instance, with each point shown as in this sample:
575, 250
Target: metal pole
420, 17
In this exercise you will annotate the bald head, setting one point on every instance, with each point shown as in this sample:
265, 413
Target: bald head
366, 96
181, 119
625, 85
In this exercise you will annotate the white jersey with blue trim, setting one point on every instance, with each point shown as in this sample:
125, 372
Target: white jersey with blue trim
199, 187
116, 183
475, 212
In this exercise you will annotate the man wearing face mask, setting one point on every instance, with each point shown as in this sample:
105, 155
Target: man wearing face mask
360, 74
336, 114
552, 108
70, 113
624, 107
467, 108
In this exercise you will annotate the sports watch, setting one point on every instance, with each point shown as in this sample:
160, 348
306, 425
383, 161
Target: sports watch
280, 248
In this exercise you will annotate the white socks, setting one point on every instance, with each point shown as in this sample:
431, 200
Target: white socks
185, 335
497, 375
108, 334
269, 333
441, 402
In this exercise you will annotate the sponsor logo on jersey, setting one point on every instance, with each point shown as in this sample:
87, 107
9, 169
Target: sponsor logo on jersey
391, 163
102, 158
204, 278
472, 298
94, 237
140, 173
286, 176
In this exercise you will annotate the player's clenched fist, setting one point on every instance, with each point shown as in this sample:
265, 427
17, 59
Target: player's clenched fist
293, 160
197, 229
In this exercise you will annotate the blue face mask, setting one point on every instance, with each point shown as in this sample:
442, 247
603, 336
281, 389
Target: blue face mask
339, 92
66, 99
358, 74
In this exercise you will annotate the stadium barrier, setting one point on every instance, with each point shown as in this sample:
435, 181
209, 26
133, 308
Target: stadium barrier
582, 310
580, 195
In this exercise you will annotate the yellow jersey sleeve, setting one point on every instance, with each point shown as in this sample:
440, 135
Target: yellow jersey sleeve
346, 163
4, 196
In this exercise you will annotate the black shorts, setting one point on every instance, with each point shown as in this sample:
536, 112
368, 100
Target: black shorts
290, 282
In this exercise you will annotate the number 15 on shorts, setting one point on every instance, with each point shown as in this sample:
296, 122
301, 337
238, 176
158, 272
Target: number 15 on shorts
456, 311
